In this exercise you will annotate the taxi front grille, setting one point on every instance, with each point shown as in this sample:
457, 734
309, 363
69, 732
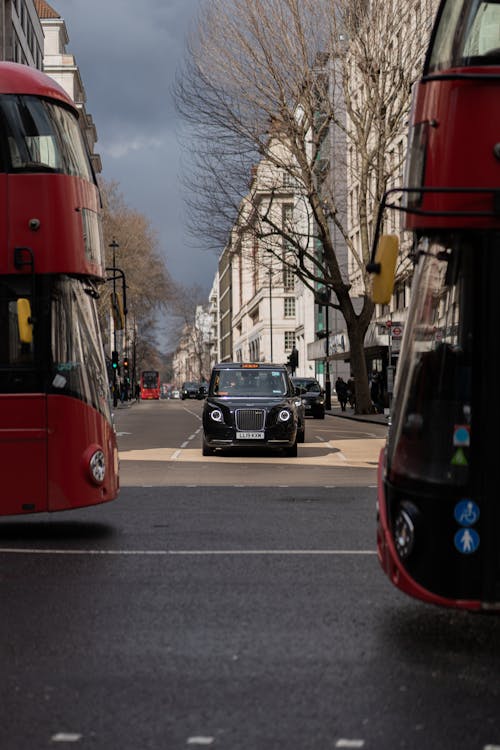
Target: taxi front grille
250, 419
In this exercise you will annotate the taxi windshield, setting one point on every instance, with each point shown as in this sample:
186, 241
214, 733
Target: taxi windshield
249, 383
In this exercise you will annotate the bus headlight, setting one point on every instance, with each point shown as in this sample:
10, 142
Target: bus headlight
97, 467
404, 530
284, 415
216, 415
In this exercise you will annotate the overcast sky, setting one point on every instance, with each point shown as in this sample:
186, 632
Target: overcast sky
128, 52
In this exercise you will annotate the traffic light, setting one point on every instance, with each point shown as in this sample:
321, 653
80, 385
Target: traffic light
125, 363
114, 360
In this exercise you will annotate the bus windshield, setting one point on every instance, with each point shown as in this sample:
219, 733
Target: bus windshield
150, 379
42, 137
468, 34
434, 381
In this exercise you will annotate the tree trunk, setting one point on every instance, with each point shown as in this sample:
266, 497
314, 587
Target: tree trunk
356, 335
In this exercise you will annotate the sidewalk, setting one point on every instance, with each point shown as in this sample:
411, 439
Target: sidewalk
336, 411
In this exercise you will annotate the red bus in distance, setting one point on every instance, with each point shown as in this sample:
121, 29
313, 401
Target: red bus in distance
58, 444
150, 385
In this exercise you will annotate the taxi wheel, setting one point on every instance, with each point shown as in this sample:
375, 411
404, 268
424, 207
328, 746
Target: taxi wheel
291, 452
206, 450
301, 436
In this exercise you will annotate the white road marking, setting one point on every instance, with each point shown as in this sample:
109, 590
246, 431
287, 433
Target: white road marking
185, 444
66, 737
200, 740
193, 413
350, 743
183, 552
349, 453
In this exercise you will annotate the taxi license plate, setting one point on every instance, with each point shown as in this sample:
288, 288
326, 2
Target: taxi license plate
250, 436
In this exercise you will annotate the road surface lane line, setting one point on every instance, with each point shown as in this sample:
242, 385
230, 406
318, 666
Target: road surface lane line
185, 552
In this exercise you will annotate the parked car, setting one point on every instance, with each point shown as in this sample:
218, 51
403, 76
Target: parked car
252, 405
313, 396
189, 390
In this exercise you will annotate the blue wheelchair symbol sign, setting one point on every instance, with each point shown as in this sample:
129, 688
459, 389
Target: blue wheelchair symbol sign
466, 512
466, 541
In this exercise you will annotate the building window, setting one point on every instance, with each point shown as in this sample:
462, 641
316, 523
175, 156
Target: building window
288, 278
289, 340
254, 316
289, 311
254, 349
289, 180
400, 296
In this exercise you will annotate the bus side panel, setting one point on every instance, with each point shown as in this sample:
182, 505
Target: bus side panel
445, 108
56, 201
23, 451
76, 431
3, 222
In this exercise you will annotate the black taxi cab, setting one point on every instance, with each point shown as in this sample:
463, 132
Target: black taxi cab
252, 405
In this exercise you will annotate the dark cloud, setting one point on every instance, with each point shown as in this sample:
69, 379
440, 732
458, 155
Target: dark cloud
128, 53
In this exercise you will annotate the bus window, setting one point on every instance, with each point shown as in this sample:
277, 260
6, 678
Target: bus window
43, 136
435, 371
15, 348
79, 367
468, 34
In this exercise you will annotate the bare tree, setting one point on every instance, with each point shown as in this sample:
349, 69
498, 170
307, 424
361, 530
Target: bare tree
329, 79
190, 318
149, 289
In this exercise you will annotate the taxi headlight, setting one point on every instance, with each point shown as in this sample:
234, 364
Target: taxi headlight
284, 415
216, 415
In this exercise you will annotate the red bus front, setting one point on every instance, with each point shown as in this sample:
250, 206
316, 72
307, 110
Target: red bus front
439, 515
57, 442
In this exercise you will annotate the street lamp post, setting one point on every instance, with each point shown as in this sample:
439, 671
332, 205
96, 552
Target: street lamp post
271, 311
114, 245
328, 384
323, 298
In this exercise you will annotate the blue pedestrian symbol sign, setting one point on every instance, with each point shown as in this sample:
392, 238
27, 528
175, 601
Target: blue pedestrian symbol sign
466, 512
466, 541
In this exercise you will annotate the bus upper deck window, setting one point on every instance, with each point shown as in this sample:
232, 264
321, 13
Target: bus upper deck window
483, 37
468, 34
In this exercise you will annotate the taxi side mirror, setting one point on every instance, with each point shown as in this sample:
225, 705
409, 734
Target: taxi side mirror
24, 321
384, 269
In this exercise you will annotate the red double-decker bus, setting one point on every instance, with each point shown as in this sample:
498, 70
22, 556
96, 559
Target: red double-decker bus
150, 384
57, 443
439, 512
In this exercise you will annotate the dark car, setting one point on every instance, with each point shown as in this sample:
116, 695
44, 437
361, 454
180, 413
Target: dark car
252, 405
312, 395
189, 390
202, 391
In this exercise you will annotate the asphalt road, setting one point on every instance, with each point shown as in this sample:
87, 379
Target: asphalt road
246, 618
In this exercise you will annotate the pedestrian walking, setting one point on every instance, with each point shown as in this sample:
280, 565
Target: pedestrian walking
341, 390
